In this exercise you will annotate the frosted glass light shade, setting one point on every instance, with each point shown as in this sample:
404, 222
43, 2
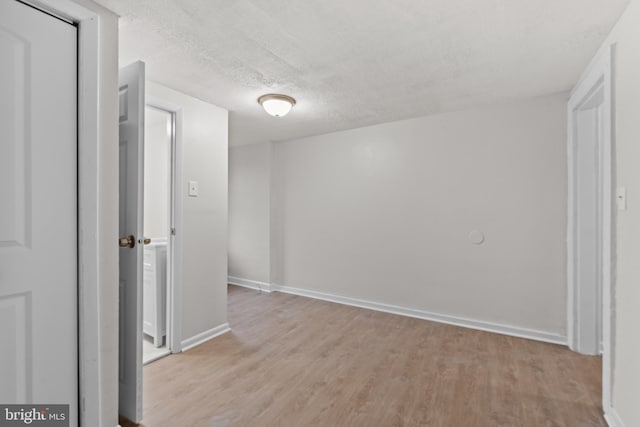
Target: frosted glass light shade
277, 105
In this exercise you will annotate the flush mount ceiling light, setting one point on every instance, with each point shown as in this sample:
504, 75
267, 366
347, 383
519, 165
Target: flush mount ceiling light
276, 105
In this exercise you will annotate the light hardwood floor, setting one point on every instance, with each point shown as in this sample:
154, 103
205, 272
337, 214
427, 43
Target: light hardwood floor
294, 361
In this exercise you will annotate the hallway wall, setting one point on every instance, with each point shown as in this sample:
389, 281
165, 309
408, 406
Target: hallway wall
382, 214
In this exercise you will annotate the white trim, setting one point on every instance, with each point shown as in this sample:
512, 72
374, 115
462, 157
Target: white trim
68, 10
612, 418
89, 244
156, 357
178, 239
175, 242
513, 331
249, 284
598, 76
205, 336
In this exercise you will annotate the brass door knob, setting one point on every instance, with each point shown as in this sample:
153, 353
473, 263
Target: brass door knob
127, 242
147, 240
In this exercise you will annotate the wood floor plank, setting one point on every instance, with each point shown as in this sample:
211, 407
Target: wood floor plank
294, 361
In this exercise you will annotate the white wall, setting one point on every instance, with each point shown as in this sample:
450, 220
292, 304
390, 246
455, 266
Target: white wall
626, 349
157, 150
205, 159
249, 229
383, 213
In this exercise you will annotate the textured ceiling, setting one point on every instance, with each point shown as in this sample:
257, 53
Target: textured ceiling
352, 63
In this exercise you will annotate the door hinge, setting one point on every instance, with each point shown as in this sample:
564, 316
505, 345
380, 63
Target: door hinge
173, 231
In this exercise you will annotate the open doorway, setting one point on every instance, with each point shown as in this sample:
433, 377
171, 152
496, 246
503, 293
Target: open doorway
158, 149
590, 213
586, 301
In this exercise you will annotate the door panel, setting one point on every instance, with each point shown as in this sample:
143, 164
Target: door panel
13, 180
131, 148
15, 352
38, 209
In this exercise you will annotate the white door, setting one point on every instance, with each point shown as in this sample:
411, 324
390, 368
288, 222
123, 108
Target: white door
38, 209
131, 145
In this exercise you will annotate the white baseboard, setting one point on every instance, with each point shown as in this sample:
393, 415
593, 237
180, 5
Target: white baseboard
426, 315
612, 418
250, 284
205, 336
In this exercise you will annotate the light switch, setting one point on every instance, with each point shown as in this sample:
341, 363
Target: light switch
193, 189
621, 198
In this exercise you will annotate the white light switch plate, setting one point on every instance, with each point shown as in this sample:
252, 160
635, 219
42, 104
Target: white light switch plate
621, 198
193, 189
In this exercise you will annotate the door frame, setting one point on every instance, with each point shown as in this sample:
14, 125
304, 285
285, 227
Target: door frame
97, 257
175, 240
598, 77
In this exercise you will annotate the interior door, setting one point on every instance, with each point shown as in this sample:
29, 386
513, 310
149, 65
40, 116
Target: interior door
38, 209
131, 241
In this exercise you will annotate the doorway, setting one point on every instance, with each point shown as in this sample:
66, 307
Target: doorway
158, 181
589, 238
588, 226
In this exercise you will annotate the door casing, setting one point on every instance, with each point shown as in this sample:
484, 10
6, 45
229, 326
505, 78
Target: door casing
597, 78
174, 252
